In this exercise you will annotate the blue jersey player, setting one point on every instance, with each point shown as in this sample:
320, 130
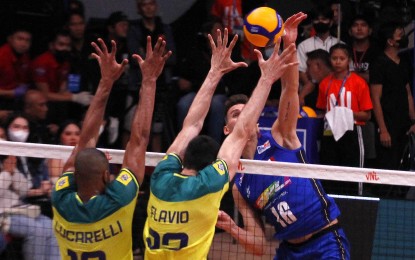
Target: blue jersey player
304, 217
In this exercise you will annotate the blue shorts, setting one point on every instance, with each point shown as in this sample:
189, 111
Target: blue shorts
323, 245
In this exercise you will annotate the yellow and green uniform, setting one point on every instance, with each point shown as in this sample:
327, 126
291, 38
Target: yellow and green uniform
182, 210
100, 228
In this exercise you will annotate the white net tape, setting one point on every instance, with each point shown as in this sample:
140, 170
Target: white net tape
351, 174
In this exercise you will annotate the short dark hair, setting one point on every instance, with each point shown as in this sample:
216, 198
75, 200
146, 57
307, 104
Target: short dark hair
201, 151
62, 127
320, 54
341, 46
361, 17
116, 17
386, 32
235, 100
90, 162
321, 10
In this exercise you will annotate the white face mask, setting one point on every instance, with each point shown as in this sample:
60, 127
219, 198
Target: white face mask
18, 135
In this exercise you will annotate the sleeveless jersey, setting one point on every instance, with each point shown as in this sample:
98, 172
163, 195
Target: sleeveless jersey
295, 206
182, 210
99, 229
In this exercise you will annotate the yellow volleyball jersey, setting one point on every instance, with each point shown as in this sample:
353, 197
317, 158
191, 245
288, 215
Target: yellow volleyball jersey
183, 210
99, 229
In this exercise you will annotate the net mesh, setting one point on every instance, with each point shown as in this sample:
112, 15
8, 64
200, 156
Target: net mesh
379, 224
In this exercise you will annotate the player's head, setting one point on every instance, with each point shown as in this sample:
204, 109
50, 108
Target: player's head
91, 167
233, 107
201, 151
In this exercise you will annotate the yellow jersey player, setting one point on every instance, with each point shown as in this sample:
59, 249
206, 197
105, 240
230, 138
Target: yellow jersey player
93, 216
188, 184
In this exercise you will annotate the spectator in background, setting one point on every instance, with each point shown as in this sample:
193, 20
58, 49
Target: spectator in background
347, 90
77, 6
17, 129
68, 134
318, 67
50, 73
14, 69
393, 104
39, 241
80, 60
117, 26
150, 25
322, 21
364, 53
341, 15
35, 109
192, 72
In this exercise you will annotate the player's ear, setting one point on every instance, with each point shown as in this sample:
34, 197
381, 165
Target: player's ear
106, 176
226, 130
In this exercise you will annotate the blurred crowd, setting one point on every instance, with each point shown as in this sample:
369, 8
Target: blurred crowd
43, 97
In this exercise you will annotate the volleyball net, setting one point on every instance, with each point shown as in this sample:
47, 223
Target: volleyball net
378, 224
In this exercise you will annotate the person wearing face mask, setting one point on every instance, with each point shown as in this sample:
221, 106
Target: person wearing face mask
17, 130
19, 219
50, 72
322, 19
393, 104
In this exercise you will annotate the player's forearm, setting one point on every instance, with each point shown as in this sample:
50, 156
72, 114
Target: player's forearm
252, 242
201, 103
95, 115
253, 109
141, 124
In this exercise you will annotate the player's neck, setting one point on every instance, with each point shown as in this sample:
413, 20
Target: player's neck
86, 194
189, 172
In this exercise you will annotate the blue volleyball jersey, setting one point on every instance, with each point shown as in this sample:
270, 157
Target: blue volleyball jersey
295, 206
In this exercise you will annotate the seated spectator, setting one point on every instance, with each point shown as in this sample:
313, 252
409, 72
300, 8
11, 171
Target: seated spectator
21, 220
34, 169
14, 68
50, 74
68, 134
192, 72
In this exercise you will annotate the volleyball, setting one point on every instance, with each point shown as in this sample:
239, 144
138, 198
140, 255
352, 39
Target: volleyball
263, 26
307, 112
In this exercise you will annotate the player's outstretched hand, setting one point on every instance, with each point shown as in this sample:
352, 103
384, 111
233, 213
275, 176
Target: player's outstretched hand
221, 53
110, 68
291, 27
152, 65
273, 68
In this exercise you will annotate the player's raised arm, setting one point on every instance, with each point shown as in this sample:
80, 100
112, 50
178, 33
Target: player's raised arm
284, 128
221, 63
110, 72
271, 70
151, 68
